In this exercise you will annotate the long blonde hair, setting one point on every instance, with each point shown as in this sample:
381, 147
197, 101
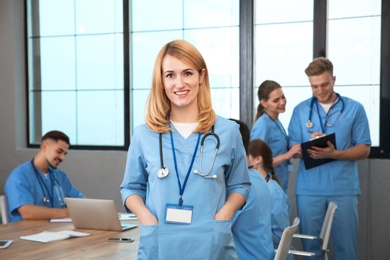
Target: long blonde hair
159, 106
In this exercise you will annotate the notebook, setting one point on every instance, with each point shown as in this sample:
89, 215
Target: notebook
95, 214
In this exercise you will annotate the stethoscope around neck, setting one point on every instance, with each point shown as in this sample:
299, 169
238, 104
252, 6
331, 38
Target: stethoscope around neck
55, 185
164, 171
309, 123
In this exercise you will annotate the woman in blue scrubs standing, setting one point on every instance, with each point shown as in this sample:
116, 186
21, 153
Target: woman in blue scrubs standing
186, 172
268, 128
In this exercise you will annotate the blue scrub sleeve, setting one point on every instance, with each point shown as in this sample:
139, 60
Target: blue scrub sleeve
237, 177
135, 176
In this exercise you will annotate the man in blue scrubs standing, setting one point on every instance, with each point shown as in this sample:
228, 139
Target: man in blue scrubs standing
325, 113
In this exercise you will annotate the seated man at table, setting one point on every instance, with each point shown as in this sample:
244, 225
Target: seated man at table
36, 189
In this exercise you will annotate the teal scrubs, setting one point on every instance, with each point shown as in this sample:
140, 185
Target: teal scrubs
252, 231
280, 211
273, 133
337, 180
204, 238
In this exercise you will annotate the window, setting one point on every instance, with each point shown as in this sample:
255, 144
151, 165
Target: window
354, 36
90, 68
75, 81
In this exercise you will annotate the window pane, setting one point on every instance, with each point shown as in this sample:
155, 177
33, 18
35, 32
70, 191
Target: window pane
100, 118
59, 112
355, 42
100, 62
58, 64
61, 10
353, 8
225, 102
138, 107
283, 51
63, 63
159, 15
99, 16
277, 11
206, 13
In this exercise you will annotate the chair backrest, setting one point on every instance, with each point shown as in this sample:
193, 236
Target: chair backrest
327, 225
4, 209
285, 241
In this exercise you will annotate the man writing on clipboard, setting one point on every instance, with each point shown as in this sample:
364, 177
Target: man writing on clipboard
337, 180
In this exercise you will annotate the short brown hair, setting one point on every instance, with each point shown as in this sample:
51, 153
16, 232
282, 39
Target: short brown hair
56, 135
318, 66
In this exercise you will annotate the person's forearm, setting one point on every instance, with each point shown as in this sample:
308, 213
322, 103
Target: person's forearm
358, 152
279, 159
35, 212
136, 205
233, 203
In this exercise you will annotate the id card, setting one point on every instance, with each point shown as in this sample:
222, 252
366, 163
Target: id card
290, 167
178, 215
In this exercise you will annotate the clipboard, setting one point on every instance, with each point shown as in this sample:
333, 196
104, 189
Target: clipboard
319, 142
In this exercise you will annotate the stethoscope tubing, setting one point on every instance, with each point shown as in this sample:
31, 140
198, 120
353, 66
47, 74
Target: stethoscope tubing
54, 183
163, 172
309, 123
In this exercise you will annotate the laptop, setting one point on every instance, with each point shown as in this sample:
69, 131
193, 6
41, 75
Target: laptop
95, 214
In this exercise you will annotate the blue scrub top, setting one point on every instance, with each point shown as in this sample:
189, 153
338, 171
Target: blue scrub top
252, 229
280, 211
273, 133
22, 187
351, 128
211, 239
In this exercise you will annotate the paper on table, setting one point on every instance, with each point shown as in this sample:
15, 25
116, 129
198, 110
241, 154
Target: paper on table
49, 236
127, 216
61, 220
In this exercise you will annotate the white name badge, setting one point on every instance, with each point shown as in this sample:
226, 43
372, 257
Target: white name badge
178, 215
290, 167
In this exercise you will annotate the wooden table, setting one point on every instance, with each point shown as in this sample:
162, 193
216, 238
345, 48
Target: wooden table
95, 246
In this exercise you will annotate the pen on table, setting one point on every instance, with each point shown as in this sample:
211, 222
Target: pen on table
119, 239
126, 239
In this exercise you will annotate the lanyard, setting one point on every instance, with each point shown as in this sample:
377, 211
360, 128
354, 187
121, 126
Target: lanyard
281, 128
181, 188
40, 180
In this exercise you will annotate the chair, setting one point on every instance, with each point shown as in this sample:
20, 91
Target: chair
283, 249
325, 230
4, 209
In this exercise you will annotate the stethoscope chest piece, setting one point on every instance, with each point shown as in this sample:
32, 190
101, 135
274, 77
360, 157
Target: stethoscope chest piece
46, 200
309, 124
163, 172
